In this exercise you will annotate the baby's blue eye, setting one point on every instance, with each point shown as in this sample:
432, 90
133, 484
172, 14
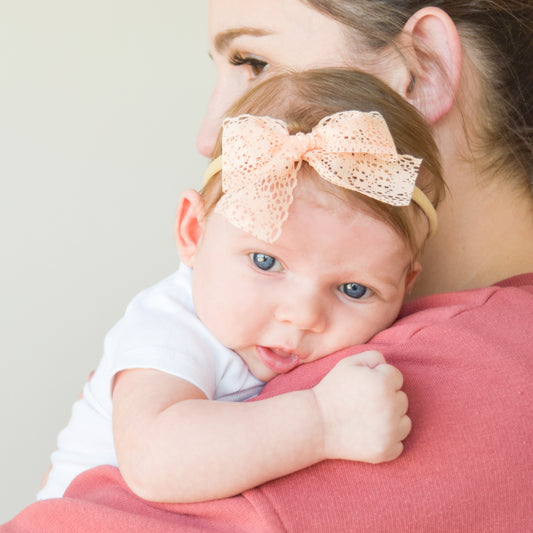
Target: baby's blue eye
355, 290
265, 262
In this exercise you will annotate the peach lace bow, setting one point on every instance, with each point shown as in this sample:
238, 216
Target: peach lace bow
260, 163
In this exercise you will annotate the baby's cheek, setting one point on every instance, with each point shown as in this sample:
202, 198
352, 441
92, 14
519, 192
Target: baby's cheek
228, 326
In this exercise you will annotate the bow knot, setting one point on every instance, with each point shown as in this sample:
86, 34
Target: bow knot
350, 149
302, 143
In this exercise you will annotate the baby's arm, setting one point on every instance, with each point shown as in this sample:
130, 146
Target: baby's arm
173, 445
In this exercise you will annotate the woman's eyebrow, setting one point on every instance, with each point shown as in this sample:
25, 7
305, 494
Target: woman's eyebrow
224, 38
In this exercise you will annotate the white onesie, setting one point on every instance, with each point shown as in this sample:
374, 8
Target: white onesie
159, 330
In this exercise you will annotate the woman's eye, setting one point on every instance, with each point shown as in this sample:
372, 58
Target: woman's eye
265, 262
355, 290
256, 66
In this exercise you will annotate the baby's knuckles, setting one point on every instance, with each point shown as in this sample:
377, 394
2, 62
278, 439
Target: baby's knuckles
361, 413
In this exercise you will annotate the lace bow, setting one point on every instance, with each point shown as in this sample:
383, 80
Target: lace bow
351, 149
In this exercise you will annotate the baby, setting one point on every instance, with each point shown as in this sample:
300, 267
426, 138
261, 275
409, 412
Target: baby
303, 242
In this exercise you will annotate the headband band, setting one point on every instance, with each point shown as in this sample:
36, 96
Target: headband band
351, 149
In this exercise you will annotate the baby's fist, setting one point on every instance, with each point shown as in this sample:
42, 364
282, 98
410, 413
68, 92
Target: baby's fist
363, 409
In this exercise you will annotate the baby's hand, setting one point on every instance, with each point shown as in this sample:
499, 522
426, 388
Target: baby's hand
363, 409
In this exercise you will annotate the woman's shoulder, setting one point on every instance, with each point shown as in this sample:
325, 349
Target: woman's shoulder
500, 298
442, 318
521, 280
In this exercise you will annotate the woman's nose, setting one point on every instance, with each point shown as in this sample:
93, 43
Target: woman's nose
225, 94
306, 313
208, 133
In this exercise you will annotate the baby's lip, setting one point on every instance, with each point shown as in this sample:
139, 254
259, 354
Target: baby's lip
277, 359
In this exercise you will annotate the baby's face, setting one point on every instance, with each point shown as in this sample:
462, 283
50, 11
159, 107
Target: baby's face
334, 278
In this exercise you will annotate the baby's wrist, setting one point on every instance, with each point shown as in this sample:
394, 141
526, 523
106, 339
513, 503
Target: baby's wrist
321, 424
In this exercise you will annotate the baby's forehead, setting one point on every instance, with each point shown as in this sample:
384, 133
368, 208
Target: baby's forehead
320, 193
316, 197
349, 206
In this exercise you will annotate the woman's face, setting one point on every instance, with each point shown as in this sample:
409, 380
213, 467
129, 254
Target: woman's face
252, 39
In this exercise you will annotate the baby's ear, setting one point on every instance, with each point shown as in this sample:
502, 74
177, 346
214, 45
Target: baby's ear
189, 225
411, 277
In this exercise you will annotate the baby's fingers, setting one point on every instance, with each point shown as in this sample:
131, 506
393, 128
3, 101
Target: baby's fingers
393, 453
392, 374
395, 449
404, 427
402, 403
370, 358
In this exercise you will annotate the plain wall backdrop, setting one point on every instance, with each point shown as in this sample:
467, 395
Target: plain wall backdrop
100, 105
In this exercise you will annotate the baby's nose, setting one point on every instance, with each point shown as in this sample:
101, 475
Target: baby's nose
304, 313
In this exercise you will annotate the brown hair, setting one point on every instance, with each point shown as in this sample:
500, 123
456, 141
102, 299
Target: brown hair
302, 99
497, 35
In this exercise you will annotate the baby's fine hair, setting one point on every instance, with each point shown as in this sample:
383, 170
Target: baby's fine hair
302, 99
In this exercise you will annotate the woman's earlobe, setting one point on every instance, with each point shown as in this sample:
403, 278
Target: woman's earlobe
189, 225
434, 62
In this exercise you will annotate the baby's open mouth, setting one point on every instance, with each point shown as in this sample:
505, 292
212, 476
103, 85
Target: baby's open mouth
277, 360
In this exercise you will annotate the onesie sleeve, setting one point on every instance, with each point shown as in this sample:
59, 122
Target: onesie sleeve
160, 330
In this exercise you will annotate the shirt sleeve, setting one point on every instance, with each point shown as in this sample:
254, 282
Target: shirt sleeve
160, 330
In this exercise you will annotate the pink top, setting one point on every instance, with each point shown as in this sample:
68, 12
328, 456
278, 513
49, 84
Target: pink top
468, 464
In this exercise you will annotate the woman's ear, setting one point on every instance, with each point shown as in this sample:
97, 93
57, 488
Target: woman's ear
189, 225
434, 62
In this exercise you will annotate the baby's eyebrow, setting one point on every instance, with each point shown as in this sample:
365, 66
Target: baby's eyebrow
224, 38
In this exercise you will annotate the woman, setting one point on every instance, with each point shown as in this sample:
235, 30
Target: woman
465, 348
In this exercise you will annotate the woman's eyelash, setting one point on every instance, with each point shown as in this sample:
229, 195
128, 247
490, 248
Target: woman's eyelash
256, 65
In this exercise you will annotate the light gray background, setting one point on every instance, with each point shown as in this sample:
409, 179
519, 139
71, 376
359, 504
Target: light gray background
100, 104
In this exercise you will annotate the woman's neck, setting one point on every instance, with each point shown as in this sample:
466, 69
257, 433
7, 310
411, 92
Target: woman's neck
485, 230
485, 235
